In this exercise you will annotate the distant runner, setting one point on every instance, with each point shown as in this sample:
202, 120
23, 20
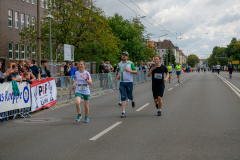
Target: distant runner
218, 68
169, 68
126, 69
178, 69
230, 69
157, 71
81, 85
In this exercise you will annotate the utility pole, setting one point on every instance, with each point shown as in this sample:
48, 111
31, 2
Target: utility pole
38, 34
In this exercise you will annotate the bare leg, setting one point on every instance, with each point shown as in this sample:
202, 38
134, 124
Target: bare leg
86, 105
123, 105
78, 107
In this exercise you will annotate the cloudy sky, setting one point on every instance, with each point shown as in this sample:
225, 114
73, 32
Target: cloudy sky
198, 25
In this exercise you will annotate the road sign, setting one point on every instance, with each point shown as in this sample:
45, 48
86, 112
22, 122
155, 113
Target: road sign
235, 62
68, 52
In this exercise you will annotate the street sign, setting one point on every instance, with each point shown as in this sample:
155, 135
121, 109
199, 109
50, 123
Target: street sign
235, 62
68, 52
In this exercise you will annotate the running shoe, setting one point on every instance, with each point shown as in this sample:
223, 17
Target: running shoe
157, 105
78, 118
86, 119
159, 113
123, 115
178, 81
133, 103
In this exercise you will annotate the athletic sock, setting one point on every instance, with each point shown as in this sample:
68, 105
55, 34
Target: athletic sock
79, 114
159, 110
123, 111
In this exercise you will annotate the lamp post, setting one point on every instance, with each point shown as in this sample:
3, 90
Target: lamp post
50, 16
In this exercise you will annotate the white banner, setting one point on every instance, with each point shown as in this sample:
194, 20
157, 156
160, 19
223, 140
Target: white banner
10, 102
68, 52
44, 93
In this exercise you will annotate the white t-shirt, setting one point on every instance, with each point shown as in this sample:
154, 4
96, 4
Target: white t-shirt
218, 66
126, 76
82, 85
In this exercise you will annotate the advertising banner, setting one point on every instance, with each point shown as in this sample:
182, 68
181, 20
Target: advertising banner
10, 102
44, 93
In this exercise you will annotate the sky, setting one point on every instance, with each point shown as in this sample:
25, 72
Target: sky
195, 26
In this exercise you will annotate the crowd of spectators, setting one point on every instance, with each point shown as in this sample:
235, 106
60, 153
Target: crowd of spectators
25, 70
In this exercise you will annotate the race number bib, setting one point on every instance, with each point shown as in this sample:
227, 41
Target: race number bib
158, 75
123, 69
82, 87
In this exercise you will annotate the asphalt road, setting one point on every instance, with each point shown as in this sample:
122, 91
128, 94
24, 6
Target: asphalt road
200, 120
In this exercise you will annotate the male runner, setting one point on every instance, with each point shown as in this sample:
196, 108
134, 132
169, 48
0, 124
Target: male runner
169, 68
230, 69
218, 68
178, 69
157, 71
126, 69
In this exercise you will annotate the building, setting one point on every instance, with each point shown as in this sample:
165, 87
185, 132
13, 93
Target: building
200, 64
15, 15
163, 46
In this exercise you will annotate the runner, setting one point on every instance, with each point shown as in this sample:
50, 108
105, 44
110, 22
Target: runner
230, 69
178, 69
157, 71
81, 85
126, 69
169, 68
218, 68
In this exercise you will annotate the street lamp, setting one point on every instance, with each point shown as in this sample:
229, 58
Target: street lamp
50, 16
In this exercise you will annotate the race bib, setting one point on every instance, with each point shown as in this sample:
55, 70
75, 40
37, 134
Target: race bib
82, 87
123, 69
158, 75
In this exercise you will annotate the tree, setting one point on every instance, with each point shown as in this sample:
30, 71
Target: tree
169, 57
192, 60
233, 49
86, 28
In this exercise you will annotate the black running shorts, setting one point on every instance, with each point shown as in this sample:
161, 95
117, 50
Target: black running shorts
158, 91
230, 71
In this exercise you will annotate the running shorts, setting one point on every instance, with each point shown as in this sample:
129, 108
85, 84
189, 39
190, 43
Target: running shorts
158, 91
85, 97
170, 72
178, 73
230, 71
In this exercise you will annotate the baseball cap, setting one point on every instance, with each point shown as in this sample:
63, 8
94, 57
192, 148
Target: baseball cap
126, 53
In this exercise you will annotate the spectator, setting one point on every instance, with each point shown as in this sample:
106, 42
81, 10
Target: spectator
64, 74
107, 64
15, 75
43, 69
106, 77
20, 65
34, 68
101, 73
75, 67
26, 77
5, 75
27, 69
115, 68
71, 69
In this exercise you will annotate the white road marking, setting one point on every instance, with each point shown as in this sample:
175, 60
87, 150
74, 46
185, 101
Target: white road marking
105, 131
181, 82
142, 107
234, 88
176, 85
170, 89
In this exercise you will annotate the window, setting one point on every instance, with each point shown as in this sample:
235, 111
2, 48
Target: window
28, 51
17, 51
42, 3
162, 50
10, 50
33, 22
28, 21
33, 52
10, 18
23, 51
16, 19
27, 1
33, 1
22, 21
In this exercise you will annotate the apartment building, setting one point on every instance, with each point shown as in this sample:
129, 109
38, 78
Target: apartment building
15, 15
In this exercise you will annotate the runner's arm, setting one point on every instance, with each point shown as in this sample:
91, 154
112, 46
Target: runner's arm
32, 76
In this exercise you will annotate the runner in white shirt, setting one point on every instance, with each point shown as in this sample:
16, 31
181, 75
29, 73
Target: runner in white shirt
218, 68
81, 86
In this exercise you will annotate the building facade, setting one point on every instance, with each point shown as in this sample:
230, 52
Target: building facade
16, 15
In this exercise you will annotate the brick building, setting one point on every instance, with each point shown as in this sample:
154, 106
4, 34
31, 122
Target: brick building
15, 15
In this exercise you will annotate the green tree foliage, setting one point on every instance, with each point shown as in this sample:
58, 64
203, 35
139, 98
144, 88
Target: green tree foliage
192, 60
233, 49
218, 56
85, 28
169, 57
130, 33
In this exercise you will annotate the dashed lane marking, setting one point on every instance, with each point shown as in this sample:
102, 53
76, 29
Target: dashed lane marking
170, 89
105, 131
142, 107
176, 85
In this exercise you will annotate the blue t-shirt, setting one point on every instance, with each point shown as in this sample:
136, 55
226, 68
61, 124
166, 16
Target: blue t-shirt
35, 70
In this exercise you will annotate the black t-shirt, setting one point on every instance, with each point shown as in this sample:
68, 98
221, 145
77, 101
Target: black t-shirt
101, 67
158, 76
115, 69
12, 75
35, 70
230, 66
66, 73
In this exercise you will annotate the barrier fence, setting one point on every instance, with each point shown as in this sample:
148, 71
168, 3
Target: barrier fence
56, 90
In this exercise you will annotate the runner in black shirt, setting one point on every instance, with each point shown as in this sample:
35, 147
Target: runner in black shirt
230, 69
157, 71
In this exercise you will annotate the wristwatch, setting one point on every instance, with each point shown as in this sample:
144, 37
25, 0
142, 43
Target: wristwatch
86, 79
